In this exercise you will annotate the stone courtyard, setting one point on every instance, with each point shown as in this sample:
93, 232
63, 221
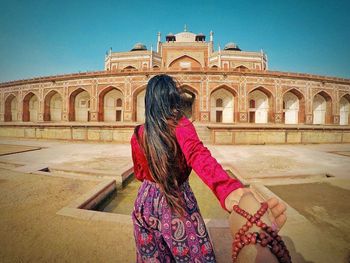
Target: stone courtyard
41, 179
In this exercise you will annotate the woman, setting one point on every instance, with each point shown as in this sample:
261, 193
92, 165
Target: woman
168, 226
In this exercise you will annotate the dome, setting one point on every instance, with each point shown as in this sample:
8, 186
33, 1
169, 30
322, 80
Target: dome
170, 34
200, 34
139, 46
231, 46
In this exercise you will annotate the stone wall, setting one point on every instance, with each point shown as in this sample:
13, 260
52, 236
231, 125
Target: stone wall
209, 134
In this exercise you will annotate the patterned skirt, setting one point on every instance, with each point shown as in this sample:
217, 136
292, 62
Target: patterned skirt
162, 236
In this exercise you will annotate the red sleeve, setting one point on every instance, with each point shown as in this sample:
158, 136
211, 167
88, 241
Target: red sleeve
133, 154
203, 163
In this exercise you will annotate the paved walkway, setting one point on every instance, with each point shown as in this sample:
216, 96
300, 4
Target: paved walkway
30, 229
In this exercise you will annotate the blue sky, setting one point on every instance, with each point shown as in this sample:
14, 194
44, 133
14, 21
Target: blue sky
41, 38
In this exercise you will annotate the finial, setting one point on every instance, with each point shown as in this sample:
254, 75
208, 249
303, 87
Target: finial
185, 28
219, 48
158, 35
211, 35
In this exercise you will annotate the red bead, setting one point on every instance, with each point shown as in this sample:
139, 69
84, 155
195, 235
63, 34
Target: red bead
263, 242
253, 240
249, 224
239, 244
280, 254
263, 226
245, 228
259, 223
262, 235
237, 236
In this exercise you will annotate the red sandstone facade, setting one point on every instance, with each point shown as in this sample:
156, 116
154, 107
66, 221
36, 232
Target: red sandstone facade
223, 86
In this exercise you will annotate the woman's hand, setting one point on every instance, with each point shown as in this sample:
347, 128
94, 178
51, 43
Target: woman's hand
278, 210
277, 214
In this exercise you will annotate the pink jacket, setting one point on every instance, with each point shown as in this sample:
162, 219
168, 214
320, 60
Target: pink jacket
197, 157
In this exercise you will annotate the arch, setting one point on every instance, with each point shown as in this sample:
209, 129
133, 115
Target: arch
79, 105
218, 102
184, 62
129, 68
156, 67
263, 102
230, 109
214, 67
299, 113
322, 108
30, 107
138, 98
53, 106
344, 109
241, 68
109, 109
222, 106
190, 101
11, 108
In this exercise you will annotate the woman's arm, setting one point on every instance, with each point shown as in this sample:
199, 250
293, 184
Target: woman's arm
203, 163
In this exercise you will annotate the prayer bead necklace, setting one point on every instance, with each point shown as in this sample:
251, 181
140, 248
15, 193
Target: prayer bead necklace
266, 238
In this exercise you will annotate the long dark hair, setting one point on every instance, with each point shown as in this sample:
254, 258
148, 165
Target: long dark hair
163, 109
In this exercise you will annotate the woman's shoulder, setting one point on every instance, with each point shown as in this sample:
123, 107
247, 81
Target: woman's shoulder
184, 121
139, 130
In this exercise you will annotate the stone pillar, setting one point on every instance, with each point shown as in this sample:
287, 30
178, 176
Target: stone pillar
20, 106
278, 117
93, 116
41, 105
204, 116
204, 95
309, 119
336, 119
127, 116
129, 110
308, 105
278, 110
2, 107
242, 100
243, 117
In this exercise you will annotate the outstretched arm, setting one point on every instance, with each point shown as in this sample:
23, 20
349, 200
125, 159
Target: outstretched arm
203, 163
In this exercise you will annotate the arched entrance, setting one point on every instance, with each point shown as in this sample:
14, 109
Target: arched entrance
293, 107
11, 108
260, 105
185, 63
53, 106
79, 105
30, 107
322, 108
344, 108
222, 106
110, 105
